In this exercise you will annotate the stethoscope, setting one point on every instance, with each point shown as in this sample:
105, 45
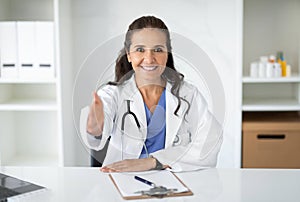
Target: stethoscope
176, 140
129, 112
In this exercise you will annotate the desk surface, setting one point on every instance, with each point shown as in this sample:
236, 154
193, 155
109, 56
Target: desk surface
89, 184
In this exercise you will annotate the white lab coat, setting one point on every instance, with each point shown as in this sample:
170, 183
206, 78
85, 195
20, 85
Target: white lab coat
199, 135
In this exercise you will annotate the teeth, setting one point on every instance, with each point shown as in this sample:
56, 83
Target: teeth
149, 68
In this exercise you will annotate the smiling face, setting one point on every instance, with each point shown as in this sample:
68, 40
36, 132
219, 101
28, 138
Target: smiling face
148, 55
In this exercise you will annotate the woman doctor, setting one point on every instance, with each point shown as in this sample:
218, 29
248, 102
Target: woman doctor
155, 119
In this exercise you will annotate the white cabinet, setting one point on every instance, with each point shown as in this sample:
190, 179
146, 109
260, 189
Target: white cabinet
271, 26
30, 109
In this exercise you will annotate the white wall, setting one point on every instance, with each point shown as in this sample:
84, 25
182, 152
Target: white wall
214, 25
4, 9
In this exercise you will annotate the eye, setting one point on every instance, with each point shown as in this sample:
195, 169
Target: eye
140, 49
158, 50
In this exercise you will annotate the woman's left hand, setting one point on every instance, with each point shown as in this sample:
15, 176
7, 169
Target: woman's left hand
130, 165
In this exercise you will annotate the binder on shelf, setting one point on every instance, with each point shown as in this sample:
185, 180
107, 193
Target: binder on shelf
8, 50
26, 50
45, 49
36, 50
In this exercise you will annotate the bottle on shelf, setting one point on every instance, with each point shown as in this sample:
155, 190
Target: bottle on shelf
262, 65
269, 70
282, 62
254, 69
270, 67
272, 59
288, 70
277, 70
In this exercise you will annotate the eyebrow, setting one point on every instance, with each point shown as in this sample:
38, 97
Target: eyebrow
156, 46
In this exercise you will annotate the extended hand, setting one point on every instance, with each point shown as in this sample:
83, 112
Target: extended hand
130, 165
96, 116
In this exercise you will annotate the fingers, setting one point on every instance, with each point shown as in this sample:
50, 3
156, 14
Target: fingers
96, 116
97, 106
105, 169
120, 166
129, 165
96, 99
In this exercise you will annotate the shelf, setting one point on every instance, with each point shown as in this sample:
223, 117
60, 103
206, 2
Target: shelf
29, 105
292, 79
269, 104
31, 133
29, 81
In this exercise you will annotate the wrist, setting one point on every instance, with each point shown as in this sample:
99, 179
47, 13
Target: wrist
156, 165
153, 163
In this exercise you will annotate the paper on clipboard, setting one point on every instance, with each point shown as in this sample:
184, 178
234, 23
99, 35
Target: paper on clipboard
127, 185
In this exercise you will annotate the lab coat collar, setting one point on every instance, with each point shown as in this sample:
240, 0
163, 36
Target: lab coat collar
173, 122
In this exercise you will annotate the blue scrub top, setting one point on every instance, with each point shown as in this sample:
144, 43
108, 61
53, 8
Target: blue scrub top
156, 127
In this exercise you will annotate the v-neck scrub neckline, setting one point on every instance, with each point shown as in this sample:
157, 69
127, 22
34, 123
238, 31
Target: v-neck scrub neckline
156, 126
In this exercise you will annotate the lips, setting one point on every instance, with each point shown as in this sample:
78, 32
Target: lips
149, 68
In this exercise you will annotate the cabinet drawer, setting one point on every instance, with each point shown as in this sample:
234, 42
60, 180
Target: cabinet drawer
271, 149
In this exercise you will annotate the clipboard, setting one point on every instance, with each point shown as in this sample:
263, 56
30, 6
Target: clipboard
119, 178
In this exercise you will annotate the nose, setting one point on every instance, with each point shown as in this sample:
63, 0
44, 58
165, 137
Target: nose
149, 56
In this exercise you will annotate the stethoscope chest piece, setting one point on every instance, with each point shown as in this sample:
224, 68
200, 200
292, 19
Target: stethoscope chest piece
176, 140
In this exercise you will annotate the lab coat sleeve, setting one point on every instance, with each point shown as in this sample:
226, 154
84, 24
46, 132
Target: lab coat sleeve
108, 96
206, 138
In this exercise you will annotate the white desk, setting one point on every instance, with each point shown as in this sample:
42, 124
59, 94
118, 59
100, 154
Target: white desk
89, 184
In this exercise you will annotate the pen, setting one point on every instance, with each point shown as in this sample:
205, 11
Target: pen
144, 181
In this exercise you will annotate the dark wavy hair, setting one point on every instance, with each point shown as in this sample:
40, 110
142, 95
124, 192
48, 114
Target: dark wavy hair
124, 70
